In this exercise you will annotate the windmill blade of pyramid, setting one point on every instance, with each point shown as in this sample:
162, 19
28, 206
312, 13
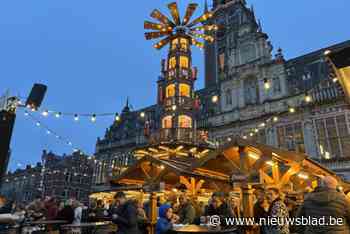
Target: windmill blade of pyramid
162, 43
197, 43
191, 8
154, 35
174, 11
200, 19
156, 14
153, 26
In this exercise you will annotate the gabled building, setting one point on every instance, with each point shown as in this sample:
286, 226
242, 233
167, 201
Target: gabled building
294, 104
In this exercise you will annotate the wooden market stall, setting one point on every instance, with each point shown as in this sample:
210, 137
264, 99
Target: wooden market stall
237, 165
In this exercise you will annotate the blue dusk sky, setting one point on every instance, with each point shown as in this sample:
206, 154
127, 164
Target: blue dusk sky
92, 55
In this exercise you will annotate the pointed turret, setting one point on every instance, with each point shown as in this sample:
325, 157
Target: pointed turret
279, 57
126, 108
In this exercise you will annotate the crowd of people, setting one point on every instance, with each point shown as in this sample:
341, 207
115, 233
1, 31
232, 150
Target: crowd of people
132, 216
325, 201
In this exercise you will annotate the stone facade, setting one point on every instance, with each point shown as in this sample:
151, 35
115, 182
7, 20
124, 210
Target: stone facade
23, 185
238, 67
63, 177
67, 176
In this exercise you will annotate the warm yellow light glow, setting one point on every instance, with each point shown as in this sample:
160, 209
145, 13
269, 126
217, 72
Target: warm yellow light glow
215, 99
184, 62
303, 176
270, 163
256, 130
185, 90
275, 119
174, 107
162, 167
253, 155
142, 114
170, 90
327, 52
244, 137
327, 155
335, 79
307, 98
184, 43
172, 63
267, 84
185, 121
167, 122
291, 109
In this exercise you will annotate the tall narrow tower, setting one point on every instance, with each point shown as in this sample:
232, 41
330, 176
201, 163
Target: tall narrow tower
176, 86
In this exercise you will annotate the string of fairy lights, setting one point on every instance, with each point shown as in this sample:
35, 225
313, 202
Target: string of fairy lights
50, 131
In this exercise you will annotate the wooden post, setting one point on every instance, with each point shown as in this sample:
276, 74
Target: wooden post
248, 206
153, 213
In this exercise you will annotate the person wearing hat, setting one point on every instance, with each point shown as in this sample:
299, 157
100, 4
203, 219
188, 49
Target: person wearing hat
326, 201
125, 215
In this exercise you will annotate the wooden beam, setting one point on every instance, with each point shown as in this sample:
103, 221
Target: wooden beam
142, 166
266, 178
233, 164
276, 172
286, 177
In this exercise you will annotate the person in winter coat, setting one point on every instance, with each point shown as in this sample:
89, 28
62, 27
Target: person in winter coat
67, 213
166, 219
277, 210
326, 202
125, 216
219, 207
187, 213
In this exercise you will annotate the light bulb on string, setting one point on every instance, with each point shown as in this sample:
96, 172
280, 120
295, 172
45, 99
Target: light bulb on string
291, 110
45, 113
335, 79
142, 114
117, 117
93, 118
275, 119
76, 117
58, 114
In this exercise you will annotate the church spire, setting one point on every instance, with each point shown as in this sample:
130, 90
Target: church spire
127, 106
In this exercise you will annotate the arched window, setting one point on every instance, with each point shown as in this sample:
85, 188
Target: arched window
172, 63
185, 90
184, 43
170, 90
185, 121
174, 44
183, 62
167, 122
228, 97
251, 90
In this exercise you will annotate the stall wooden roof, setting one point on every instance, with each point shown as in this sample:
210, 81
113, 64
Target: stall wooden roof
259, 163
